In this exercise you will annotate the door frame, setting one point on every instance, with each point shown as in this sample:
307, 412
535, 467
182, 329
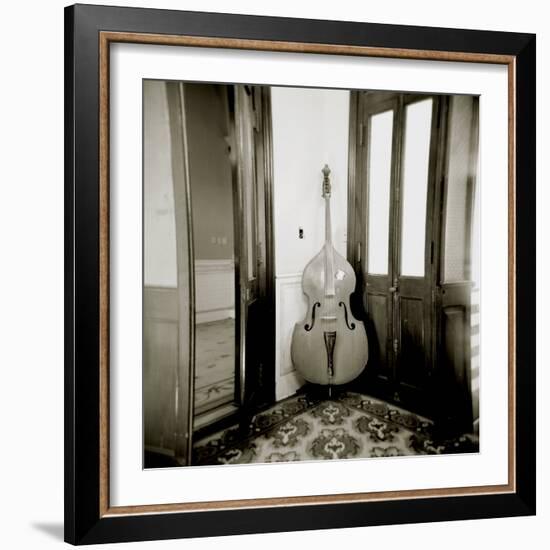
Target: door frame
185, 258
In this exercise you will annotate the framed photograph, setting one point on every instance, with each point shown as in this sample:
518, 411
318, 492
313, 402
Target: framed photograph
300, 274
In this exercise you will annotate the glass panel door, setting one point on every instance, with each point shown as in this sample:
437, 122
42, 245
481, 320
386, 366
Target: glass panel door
396, 166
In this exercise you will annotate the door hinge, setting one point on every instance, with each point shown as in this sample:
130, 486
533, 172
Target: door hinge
257, 120
359, 253
361, 134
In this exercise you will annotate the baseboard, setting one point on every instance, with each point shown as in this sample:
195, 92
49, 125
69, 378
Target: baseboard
214, 315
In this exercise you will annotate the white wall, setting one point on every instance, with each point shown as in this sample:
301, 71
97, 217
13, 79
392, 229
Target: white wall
310, 129
31, 472
159, 231
209, 171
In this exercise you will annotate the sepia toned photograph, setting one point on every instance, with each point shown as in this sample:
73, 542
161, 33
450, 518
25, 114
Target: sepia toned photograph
311, 274
300, 275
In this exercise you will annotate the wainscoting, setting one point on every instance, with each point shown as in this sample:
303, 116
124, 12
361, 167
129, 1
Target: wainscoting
160, 363
291, 306
214, 290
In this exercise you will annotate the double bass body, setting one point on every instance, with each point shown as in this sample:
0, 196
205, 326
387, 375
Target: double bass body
329, 346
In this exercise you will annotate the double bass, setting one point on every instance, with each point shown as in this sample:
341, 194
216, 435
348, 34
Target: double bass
329, 346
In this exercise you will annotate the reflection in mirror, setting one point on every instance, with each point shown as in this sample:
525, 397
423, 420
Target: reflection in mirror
210, 140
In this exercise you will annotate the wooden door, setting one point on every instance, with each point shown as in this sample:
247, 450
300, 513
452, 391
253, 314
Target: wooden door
394, 238
255, 377
378, 143
414, 251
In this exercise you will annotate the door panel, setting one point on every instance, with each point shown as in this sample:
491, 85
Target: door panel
456, 339
160, 358
377, 327
412, 338
414, 314
379, 141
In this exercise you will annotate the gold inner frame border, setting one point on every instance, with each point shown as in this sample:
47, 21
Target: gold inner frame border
106, 38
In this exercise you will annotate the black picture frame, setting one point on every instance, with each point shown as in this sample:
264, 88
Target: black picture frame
84, 521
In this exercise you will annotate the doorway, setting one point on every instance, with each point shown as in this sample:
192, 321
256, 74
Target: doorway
227, 173
208, 349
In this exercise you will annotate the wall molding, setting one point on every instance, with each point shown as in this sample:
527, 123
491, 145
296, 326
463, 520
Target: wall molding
214, 290
284, 276
207, 266
290, 308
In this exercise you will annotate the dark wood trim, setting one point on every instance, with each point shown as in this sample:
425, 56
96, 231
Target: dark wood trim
241, 259
472, 182
353, 256
185, 373
433, 211
237, 198
267, 143
438, 221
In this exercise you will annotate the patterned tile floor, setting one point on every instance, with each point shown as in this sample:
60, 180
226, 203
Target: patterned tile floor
215, 364
350, 425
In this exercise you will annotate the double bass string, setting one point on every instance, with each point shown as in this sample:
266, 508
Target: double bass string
329, 282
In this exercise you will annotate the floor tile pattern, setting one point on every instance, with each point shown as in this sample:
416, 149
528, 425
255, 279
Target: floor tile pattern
214, 364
